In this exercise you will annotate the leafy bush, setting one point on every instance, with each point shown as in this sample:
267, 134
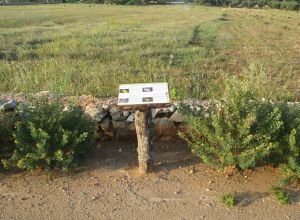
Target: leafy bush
292, 5
288, 5
281, 196
234, 3
290, 144
238, 131
49, 136
274, 4
134, 2
6, 133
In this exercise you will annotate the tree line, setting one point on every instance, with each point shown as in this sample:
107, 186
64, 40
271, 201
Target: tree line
275, 4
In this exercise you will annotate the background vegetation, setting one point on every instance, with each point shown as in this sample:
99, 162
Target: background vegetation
90, 49
277, 4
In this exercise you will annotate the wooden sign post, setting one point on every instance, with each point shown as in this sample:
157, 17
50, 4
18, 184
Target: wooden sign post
141, 98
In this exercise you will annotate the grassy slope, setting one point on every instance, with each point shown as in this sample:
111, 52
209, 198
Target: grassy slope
82, 49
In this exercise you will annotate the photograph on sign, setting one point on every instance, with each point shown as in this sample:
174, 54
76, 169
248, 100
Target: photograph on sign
124, 90
148, 89
143, 93
123, 100
147, 99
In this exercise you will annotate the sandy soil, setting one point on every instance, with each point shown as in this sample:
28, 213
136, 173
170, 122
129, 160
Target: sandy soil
108, 186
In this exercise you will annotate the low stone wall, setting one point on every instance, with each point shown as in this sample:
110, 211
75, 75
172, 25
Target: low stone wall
113, 123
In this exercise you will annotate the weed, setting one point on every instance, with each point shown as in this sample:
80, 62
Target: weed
228, 199
281, 196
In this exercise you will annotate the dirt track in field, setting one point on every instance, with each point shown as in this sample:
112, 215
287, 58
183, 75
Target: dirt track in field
108, 186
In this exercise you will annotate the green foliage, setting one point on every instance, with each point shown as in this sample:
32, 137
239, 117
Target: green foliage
48, 136
7, 121
281, 196
239, 130
228, 199
288, 5
135, 2
245, 130
274, 4
290, 145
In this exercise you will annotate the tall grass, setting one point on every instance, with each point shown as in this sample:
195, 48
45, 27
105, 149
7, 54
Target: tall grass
90, 49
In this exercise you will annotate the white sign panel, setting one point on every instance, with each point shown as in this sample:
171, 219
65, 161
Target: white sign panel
143, 93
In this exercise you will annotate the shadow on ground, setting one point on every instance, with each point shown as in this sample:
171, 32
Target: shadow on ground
247, 198
123, 155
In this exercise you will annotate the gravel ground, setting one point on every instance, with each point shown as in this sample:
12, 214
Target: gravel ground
108, 186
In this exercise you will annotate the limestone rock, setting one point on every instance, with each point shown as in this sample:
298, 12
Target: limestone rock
9, 106
170, 109
130, 126
96, 112
164, 127
43, 94
126, 114
105, 124
117, 115
130, 118
119, 124
155, 112
176, 117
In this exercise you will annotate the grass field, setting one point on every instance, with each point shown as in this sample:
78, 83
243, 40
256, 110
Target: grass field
90, 49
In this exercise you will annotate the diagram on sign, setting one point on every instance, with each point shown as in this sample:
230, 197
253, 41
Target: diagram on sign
143, 93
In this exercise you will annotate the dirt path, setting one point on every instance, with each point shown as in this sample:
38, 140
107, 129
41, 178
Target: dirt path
109, 187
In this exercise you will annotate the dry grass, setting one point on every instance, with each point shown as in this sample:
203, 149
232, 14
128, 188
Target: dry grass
90, 49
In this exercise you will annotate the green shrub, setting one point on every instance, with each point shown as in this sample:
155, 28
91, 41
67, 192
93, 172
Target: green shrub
234, 3
48, 136
289, 151
135, 2
118, 2
7, 121
292, 5
281, 196
238, 131
274, 4
250, 4
228, 199
162, 2
288, 5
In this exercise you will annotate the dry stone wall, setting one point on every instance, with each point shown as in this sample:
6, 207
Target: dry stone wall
114, 123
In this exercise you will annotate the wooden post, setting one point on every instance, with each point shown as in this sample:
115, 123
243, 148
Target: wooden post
142, 125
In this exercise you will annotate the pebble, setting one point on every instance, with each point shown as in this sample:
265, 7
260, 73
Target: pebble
191, 171
94, 198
